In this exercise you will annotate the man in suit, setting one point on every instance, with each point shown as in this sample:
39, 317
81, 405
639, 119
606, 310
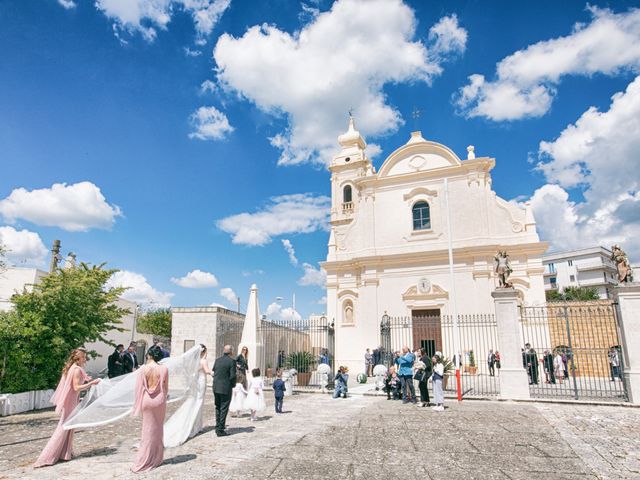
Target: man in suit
130, 359
491, 361
224, 380
114, 364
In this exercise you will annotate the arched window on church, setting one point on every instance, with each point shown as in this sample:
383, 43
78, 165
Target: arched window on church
347, 313
346, 194
421, 216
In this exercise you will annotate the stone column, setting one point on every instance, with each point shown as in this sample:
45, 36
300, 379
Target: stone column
628, 297
514, 383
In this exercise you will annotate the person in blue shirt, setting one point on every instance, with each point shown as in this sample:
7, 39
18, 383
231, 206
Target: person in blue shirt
405, 372
278, 391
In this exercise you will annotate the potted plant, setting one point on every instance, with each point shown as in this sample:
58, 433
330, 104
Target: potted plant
473, 368
302, 363
448, 368
269, 371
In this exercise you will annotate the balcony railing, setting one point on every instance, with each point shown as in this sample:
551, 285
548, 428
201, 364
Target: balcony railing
347, 208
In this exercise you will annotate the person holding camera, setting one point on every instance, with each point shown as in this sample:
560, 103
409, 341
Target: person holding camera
341, 379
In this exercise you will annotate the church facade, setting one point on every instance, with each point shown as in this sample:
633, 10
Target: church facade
388, 247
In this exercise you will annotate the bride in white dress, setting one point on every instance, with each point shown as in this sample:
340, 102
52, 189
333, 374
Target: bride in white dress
187, 421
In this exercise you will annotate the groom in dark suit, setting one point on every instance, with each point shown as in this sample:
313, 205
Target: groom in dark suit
224, 380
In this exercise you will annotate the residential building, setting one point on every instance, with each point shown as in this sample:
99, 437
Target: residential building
586, 267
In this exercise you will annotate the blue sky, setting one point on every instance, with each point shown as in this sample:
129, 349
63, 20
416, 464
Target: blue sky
166, 121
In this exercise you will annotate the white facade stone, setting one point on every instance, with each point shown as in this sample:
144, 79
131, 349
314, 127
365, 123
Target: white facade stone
211, 326
587, 267
376, 259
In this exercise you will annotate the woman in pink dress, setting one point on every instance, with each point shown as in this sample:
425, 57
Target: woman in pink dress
66, 397
152, 386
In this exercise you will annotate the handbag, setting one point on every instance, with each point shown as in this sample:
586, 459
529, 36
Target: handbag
419, 375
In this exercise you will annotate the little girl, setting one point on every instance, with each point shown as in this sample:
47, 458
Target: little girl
239, 396
255, 398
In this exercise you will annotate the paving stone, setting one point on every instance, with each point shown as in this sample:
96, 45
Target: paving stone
358, 438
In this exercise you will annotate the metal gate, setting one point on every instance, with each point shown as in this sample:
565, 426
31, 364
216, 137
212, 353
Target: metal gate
478, 340
573, 350
300, 344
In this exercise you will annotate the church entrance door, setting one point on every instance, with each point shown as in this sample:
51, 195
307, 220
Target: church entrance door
427, 330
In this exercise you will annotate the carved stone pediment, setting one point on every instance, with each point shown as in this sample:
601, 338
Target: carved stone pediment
436, 293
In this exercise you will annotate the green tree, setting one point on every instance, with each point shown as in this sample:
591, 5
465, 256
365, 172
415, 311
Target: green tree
66, 310
156, 322
580, 294
573, 294
554, 296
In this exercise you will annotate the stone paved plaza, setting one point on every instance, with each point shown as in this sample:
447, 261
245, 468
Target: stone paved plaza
361, 437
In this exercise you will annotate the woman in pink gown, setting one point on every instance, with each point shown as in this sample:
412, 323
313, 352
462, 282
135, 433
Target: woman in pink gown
152, 386
66, 398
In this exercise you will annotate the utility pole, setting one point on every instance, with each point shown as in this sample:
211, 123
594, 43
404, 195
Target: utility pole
55, 256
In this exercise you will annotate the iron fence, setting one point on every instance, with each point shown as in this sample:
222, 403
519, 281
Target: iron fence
573, 350
478, 339
299, 344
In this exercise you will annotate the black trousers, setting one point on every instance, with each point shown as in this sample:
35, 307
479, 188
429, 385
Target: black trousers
279, 404
424, 391
222, 402
492, 370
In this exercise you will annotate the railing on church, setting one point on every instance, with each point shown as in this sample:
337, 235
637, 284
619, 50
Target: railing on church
574, 351
478, 338
297, 344
347, 208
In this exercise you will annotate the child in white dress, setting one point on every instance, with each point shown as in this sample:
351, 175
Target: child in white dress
238, 396
255, 398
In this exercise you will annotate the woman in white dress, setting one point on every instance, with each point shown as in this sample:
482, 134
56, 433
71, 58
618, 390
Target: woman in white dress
558, 367
255, 398
239, 396
187, 421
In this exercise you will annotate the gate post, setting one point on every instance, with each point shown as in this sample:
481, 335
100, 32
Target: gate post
627, 296
514, 383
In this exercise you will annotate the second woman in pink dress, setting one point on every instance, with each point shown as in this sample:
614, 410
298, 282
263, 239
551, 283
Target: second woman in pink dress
152, 386
66, 398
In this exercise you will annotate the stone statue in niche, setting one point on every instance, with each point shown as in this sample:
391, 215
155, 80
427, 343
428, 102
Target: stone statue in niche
502, 267
625, 274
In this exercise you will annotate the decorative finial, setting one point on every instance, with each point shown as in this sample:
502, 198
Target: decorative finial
470, 152
351, 112
416, 114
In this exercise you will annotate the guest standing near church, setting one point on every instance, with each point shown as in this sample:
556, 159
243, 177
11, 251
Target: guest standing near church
66, 398
152, 386
278, 391
242, 361
130, 359
224, 379
114, 363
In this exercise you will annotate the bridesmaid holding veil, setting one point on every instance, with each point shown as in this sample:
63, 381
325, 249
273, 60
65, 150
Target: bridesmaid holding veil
187, 421
66, 397
152, 386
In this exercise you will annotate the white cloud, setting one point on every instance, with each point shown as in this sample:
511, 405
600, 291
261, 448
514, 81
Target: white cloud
322, 300
23, 247
313, 276
139, 290
290, 250
343, 58
210, 124
208, 86
286, 214
599, 154
525, 81
276, 312
68, 4
196, 279
76, 208
192, 53
215, 304
229, 295
145, 16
